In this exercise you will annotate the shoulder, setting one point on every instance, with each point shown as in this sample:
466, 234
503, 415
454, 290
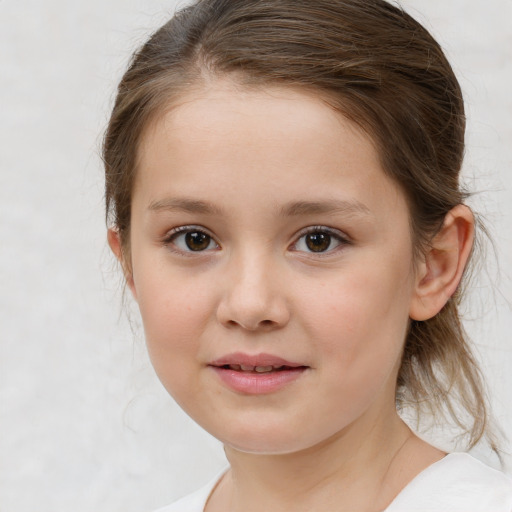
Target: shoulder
457, 483
196, 501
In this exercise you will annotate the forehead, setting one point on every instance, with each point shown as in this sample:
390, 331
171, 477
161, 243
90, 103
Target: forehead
277, 140
221, 109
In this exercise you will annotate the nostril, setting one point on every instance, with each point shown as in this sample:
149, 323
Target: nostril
262, 324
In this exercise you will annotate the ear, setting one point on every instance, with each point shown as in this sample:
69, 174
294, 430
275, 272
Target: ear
441, 270
114, 241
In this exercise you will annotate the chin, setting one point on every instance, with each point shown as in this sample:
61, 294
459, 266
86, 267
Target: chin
264, 446
266, 439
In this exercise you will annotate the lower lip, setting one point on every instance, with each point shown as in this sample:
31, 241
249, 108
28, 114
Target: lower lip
253, 383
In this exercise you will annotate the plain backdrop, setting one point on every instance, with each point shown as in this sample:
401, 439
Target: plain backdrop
84, 423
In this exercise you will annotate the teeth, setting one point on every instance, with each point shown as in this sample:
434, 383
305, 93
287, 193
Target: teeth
263, 369
258, 369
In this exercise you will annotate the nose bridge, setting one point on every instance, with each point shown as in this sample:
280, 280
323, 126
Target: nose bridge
253, 298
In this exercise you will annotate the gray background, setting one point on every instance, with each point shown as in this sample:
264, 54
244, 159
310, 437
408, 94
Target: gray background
84, 424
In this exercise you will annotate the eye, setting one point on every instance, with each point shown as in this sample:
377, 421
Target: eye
320, 240
190, 239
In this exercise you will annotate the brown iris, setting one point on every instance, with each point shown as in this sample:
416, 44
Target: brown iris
197, 241
318, 242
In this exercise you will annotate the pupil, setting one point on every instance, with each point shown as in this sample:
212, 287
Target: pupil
318, 242
197, 241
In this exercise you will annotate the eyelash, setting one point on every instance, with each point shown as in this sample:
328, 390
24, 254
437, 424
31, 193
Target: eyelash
171, 237
341, 240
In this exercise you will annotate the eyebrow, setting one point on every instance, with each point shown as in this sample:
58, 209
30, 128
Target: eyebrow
329, 206
296, 208
185, 205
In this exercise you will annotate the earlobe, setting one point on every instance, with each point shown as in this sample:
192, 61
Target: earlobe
441, 271
115, 244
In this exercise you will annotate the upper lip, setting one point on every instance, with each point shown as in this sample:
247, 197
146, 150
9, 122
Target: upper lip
239, 358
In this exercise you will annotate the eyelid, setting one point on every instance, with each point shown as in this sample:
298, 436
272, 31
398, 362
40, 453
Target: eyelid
342, 237
168, 238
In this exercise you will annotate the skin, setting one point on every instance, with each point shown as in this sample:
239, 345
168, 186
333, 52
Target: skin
256, 171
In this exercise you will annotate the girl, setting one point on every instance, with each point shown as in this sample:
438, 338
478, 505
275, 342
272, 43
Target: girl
282, 186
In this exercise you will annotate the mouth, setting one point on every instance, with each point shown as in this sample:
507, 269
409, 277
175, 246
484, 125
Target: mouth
258, 369
259, 363
258, 374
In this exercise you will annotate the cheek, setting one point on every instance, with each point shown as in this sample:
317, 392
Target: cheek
360, 317
175, 314
358, 328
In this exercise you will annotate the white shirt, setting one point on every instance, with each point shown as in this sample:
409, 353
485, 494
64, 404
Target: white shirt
456, 483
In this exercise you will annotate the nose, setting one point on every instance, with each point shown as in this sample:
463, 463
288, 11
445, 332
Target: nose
253, 296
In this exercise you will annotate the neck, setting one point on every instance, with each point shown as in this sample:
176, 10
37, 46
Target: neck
361, 468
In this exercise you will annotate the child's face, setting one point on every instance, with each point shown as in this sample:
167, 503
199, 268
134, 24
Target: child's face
264, 228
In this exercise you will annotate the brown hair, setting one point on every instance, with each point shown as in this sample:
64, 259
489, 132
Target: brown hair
374, 64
